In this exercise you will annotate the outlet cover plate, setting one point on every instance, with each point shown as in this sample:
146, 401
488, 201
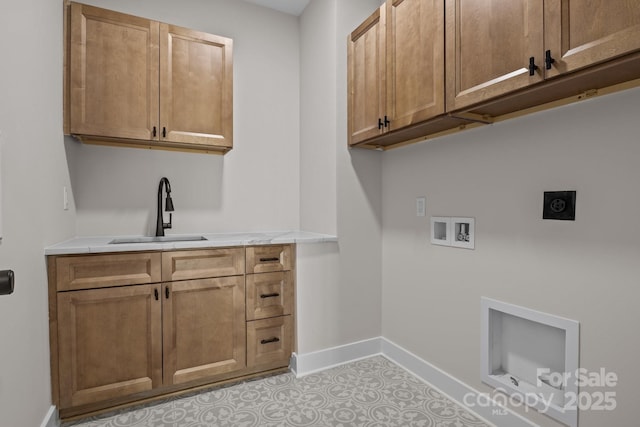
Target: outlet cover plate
559, 205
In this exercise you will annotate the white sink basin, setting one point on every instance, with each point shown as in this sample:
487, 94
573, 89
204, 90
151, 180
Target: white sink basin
156, 239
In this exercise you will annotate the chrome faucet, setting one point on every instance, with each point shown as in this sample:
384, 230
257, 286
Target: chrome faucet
160, 224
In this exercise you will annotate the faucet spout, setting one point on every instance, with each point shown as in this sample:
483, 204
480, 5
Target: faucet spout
160, 224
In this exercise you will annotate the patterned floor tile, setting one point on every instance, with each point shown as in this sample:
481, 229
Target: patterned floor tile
372, 392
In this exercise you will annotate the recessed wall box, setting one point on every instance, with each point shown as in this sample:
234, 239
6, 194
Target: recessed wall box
441, 230
463, 232
531, 356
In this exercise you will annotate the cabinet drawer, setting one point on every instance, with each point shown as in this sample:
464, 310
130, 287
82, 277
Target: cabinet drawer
265, 259
184, 265
269, 342
269, 294
100, 271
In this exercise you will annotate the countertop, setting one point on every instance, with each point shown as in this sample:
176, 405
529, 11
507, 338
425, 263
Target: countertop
100, 244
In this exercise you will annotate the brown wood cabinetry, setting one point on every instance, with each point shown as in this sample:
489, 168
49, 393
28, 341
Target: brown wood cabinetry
137, 81
269, 300
109, 343
131, 326
396, 69
503, 58
496, 47
489, 45
203, 328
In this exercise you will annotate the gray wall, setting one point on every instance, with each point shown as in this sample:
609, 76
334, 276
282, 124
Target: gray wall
585, 270
253, 187
33, 174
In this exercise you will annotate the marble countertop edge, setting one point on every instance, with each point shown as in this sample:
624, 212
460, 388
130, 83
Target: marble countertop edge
101, 244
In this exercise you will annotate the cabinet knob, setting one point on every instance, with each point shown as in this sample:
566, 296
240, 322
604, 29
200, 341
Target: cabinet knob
154, 132
548, 60
532, 66
380, 124
386, 122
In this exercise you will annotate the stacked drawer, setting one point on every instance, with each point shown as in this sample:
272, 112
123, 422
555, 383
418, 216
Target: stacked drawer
269, 305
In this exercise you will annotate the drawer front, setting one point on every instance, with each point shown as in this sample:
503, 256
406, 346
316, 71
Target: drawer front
101, 271
185, 265
269, 295
269, 342
265, 259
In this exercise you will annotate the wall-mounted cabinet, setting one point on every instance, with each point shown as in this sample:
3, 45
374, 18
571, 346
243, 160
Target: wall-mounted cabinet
497, 47
395, 73
503, 58
131, 80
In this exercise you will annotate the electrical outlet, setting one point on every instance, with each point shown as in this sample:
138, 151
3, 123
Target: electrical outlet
560, 205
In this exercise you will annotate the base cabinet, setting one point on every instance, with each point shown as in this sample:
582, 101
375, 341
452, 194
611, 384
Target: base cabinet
109, 343
120, 331
203, 329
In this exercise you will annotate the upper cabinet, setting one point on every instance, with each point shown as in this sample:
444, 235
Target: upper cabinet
137, 81
502, 58
490, 46
495, 47
366, 71
581, 33
396, 68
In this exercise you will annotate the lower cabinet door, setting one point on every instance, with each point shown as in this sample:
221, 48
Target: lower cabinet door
269, 342
204, 330
110, 343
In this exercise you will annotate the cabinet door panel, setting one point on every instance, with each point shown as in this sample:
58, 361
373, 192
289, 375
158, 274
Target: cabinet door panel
204, 328
415, 61
113, 69
366, 74
196, 87
581, 33
109, 343
489, 44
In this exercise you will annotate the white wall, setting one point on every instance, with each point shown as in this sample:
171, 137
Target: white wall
585, 270
33, 174
339, 286
253, 187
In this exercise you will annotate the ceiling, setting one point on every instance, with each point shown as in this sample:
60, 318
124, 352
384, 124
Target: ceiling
292, 7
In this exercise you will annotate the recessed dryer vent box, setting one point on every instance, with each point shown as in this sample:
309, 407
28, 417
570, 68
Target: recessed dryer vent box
525, 352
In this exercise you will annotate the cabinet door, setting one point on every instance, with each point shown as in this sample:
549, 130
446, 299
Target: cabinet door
110, 343
489, 46
366, 77
113, 74
196, 73
580, 33
415, 61
204, 328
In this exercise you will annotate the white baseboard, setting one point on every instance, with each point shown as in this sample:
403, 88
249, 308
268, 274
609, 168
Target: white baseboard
51, 419
305, 364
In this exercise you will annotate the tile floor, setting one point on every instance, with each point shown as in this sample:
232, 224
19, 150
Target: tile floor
372, 392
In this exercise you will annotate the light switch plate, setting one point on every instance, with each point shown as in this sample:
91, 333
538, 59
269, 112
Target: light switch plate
421, 206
